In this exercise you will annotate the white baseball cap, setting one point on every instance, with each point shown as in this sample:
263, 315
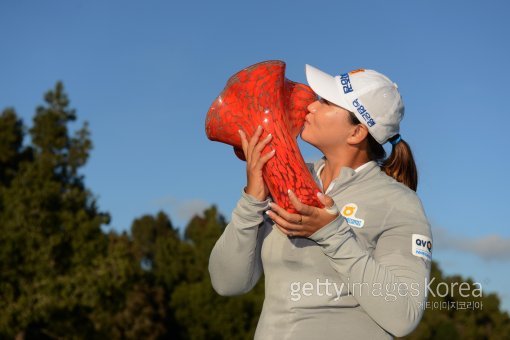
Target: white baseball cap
370, 95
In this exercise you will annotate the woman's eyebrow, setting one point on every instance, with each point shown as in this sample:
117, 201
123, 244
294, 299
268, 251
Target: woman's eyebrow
325, 101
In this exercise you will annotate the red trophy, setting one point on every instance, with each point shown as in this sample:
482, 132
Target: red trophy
261, 95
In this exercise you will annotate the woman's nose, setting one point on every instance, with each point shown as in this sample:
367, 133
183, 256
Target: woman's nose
313, 106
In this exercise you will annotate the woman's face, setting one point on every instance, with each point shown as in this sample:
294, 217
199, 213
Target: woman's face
326, 125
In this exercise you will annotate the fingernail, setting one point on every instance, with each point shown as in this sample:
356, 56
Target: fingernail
320, 194
269, 136
288, 191
268, 212
259, 127
273, 151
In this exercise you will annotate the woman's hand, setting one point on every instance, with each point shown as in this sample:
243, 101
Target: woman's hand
309, 218
254, 162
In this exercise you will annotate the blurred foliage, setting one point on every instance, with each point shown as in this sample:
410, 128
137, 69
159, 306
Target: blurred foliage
62, 277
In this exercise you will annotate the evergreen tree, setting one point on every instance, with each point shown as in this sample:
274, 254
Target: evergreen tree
199, 310
11, 142
50, 227
127, 304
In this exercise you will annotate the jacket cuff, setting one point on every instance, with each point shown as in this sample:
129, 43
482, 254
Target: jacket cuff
322, 235
249, 209
252, 199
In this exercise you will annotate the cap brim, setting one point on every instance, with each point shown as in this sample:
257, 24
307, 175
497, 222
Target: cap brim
326, 86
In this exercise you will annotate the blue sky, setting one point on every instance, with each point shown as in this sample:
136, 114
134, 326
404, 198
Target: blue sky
144, 74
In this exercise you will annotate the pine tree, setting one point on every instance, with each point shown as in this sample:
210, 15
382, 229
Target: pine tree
11, 142
50, 226
199, 310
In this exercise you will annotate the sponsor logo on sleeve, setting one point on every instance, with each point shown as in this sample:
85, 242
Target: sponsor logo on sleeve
349, 211
422, 246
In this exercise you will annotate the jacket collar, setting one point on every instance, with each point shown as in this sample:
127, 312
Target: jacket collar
347, 175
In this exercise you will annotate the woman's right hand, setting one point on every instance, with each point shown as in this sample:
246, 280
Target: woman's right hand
254, 162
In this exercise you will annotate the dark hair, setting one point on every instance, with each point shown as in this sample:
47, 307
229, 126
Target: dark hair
399, 165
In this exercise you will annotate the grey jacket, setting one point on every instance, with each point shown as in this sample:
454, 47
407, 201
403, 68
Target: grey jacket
363, 275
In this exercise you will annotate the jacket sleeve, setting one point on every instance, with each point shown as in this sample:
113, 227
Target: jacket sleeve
389, 283
235, 263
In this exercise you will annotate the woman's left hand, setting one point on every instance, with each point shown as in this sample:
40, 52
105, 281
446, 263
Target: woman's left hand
307, 221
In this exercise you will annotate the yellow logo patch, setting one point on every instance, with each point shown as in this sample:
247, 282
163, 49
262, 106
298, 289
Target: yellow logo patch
349, 212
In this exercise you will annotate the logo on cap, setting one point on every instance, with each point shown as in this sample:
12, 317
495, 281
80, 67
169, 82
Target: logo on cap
363, 112
346, 83
357, 71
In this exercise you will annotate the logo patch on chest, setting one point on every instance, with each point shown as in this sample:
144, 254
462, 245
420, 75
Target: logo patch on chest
349, 212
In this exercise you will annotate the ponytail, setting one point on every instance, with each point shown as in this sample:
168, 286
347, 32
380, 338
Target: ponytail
399, 165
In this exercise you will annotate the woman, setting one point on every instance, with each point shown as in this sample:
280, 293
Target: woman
357, 269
